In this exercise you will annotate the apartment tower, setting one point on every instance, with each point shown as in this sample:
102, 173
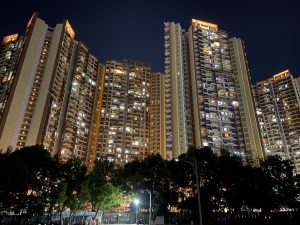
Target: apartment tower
209, 79
125, 114
278, 111
34, 99
81, 121
178, 114
38, 70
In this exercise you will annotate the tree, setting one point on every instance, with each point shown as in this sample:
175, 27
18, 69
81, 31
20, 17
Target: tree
151, 175
31, 176
283, 184
254, 189
103, 194
105, 197
228, 178
202, 162
59, 197
74, 175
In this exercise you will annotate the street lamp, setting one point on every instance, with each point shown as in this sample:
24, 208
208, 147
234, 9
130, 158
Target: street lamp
194, 164
150, 205
136, 202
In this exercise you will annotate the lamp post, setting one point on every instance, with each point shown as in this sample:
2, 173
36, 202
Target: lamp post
194, 164
136, 201
150, 205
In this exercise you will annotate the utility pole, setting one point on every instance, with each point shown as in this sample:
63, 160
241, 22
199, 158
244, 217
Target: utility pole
150, 206
198, 190
136, 201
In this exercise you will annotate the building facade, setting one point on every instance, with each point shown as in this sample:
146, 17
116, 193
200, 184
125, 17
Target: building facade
125, 115
253, 142
178, 115
11, 49
81, 122
31, 113
38, 70
216, 109
157, 115
207, 79
278, 110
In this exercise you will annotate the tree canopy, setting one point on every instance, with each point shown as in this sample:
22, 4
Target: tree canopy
32, 180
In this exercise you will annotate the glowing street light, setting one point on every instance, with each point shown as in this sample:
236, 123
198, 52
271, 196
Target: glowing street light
136, 201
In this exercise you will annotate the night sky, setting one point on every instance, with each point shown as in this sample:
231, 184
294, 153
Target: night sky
133, 29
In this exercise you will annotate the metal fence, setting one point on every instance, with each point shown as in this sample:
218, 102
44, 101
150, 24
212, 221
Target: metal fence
15, 216
238, 218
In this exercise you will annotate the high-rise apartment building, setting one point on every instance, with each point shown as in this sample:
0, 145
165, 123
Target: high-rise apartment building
132, 114
31, 112
41, 71
216, 109
207, 79
125, 114
178, 115
81, 122
278, 110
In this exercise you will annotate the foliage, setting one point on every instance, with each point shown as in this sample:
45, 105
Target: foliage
104, 195
32, 180
30, 176
227, 184
107, 197
151, 175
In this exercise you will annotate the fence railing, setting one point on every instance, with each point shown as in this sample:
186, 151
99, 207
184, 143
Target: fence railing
239, 218
16, 216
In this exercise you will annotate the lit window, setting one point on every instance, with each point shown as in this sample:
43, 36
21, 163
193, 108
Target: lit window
235, 103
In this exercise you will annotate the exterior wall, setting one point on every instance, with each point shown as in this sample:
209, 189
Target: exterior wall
297, 84
208, 93
39, 101
16, 105
96, 115
79, 122
217, 119
279, 116
57, 97
163, 117
157, 134
34, 118
35, 106
10, 53
254, 150
124, 124
178, 116
188, 100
